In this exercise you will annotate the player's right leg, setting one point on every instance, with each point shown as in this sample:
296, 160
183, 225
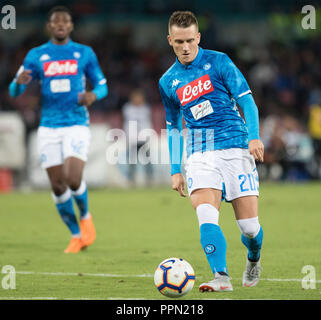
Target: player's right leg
205, 186
50, 148
207, 203
63, 200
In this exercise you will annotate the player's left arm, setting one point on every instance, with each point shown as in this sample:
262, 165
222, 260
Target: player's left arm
251, 114
237, 85
98, 80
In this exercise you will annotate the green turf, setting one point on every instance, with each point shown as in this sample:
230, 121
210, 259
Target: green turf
137, 229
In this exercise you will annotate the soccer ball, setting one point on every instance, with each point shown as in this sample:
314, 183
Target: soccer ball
174, 277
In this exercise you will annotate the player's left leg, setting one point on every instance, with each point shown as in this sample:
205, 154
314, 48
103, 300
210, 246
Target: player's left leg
75, 151
73, 169
246, 213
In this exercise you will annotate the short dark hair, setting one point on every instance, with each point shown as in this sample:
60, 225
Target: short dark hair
182, 19
58, 9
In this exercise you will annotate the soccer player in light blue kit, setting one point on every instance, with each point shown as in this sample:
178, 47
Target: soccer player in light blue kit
62, 67
205, 87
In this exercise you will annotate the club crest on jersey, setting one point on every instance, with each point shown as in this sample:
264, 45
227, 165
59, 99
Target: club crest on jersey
195, 89
77, 55
207, 66
60, 68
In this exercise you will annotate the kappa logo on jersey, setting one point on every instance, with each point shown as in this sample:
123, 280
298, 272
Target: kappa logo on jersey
60, 68
195, 89
44, 57
175, 83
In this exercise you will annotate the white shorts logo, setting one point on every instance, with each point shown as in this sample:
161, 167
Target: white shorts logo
201, 110
60, 85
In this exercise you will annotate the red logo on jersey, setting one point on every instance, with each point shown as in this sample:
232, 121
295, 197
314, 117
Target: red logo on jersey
195, 89
60, 68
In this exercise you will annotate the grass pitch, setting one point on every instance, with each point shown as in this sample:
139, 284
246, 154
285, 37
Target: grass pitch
138, 228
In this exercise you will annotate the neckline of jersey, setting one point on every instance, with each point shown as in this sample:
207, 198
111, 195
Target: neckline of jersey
61, 45
195, 62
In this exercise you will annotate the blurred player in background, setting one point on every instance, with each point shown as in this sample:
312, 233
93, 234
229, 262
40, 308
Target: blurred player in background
62, 67
204, 86
138, 111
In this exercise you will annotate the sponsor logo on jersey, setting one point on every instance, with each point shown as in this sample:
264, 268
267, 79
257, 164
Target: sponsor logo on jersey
60, 68
195, 89
202, 109
60, 85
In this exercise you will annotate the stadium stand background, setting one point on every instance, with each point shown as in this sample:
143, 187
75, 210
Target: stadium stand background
280, 60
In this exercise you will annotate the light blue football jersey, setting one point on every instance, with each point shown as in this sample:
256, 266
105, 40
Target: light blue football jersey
205, 93
62, 71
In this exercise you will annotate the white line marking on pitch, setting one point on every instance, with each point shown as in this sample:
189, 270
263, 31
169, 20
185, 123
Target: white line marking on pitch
108, 275
146, 275
59, 298
108, 298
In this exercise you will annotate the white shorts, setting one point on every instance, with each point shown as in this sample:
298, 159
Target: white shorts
57, 144
231, 170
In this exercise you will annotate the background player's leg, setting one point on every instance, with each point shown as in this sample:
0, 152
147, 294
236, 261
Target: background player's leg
73, 170
206, 202
246, 213
62, 198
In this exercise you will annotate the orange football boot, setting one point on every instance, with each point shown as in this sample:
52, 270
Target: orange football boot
88, 232
75, 245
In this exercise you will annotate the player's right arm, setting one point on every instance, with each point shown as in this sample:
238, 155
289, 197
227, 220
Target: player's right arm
175, 140
26, 73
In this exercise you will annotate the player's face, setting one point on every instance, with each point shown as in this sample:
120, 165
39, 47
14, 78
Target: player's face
184, 42
60, 26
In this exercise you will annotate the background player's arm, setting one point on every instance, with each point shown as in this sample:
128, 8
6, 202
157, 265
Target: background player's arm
175, 142
97, 79
239, 88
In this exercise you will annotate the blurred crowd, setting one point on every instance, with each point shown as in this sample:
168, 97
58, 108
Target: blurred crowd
286, 85
285, 80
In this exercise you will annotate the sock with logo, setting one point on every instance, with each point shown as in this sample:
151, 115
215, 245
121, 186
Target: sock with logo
81, 197
65, 208
212, 238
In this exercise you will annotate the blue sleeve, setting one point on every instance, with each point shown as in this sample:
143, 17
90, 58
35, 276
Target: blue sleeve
96, 76
251, 115
174, 132
15, 89
29, 63
232, 78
